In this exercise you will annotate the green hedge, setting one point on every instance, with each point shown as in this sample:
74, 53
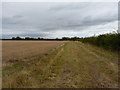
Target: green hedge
107, 41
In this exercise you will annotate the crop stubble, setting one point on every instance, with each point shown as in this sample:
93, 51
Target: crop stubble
19, 50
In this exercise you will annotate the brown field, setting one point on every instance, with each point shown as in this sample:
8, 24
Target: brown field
19, 50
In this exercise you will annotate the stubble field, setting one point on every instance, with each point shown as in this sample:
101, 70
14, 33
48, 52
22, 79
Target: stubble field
58, 64
22, 50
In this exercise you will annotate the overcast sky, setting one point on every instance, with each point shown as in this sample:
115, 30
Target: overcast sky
57, 19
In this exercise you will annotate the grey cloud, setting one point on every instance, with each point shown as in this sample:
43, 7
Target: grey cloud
18, 16
50, 17
5, 36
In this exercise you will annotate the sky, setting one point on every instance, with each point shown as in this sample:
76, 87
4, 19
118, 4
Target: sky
58, 19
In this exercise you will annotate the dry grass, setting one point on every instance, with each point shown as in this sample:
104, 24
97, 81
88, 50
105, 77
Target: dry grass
73, 65
19, 50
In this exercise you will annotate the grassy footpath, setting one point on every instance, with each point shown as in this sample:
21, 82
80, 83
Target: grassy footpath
73, 65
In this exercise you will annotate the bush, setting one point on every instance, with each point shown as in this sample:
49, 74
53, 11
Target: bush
107, 41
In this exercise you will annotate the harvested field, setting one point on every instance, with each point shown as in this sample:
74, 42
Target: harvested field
19, 50
72, 65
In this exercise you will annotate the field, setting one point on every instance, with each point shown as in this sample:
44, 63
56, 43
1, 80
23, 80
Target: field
58, 64
19, 50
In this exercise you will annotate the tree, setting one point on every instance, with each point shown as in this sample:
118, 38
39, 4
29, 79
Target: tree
18, 38
13, 38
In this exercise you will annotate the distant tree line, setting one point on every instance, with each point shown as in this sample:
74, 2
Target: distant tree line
29, 38
26, 38
108, 41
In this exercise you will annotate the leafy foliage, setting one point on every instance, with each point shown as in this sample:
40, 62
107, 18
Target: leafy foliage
107, 41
